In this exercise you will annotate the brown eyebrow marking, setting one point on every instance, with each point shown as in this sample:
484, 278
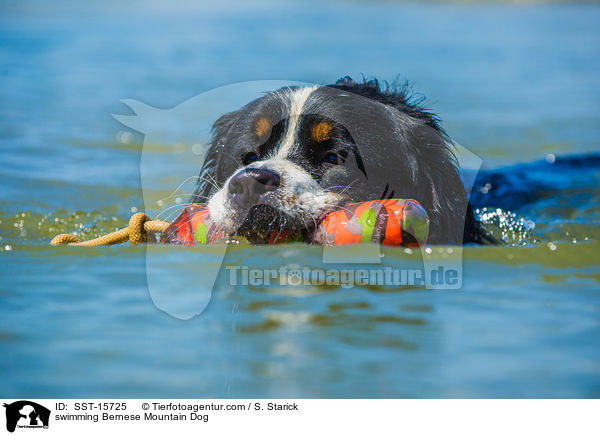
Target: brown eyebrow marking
262, 127
321, 131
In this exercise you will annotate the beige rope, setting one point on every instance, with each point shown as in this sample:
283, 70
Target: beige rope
136, 232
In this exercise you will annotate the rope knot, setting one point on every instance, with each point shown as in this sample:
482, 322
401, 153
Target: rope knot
137, 233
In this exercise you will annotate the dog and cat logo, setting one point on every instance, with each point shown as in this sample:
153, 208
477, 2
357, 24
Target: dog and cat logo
25, 414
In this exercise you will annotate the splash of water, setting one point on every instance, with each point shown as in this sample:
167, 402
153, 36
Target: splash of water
506, 226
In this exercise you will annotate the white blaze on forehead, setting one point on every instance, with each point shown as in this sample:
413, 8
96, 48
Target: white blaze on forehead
297, 100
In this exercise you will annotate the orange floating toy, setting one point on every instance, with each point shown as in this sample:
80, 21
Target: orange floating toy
397, 222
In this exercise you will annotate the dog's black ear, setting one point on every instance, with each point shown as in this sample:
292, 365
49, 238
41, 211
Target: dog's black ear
441, 189
424, 168
428, 172
431, 172
207, 177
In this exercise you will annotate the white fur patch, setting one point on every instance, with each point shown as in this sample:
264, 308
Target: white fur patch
297, 98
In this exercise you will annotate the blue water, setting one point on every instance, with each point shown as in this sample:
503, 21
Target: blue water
515, 84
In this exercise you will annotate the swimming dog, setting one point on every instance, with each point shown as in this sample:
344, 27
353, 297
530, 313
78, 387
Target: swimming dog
284, 160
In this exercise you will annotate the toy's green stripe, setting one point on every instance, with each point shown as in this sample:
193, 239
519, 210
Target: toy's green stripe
415, 222
201, 233
416, 226
367, 220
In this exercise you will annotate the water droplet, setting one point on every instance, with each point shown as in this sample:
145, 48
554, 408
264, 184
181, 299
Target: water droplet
197, 149
124, 137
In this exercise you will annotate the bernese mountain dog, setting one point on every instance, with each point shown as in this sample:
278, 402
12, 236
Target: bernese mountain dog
284, 160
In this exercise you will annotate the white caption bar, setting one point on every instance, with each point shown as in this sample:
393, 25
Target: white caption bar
149, 416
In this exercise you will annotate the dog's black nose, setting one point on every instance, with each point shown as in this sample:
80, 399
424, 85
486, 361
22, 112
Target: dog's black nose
248, 186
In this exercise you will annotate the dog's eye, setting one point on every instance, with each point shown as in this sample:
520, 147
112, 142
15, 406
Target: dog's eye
331, 158
249, 158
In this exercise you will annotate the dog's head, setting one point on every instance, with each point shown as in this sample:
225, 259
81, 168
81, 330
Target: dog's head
280, 162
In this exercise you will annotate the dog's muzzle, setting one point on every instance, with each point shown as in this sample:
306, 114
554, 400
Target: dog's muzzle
249, 186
